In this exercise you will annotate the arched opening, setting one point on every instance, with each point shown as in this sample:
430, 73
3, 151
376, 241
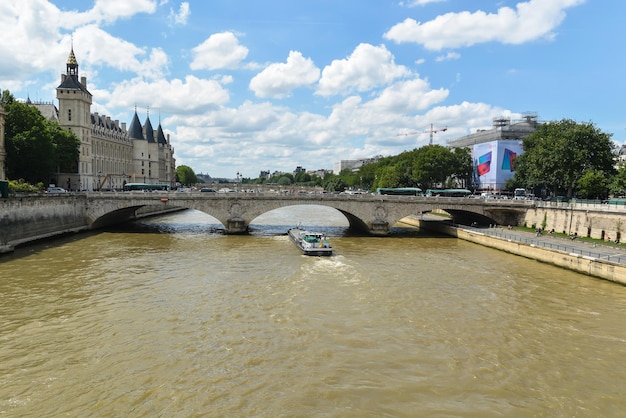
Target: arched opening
313, 217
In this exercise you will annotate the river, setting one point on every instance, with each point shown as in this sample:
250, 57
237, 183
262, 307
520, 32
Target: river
173, 318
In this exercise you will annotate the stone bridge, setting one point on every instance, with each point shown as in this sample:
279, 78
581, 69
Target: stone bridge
372, 214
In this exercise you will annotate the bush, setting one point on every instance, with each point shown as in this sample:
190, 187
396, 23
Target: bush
23, 187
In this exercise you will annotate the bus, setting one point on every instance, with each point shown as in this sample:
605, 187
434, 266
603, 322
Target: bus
400, 191
145, 187
448, 193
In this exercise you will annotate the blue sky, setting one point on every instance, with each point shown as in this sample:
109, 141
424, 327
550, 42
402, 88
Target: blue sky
244, 85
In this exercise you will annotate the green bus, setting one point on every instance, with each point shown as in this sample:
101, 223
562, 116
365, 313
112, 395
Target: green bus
400, 191
448, 193
145, 187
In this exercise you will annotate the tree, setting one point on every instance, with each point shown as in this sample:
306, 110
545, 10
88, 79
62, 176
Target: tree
593, 184
36, 147
433, 164
285, 180
462, 167
618, 184
185, 175
334, 184
66, 147
558, 154
31, 154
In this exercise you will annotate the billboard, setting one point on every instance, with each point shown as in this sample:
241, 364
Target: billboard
494, 163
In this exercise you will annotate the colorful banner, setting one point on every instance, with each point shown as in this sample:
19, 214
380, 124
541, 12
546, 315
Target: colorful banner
494, 163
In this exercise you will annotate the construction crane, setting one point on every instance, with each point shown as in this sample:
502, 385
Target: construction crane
431, 131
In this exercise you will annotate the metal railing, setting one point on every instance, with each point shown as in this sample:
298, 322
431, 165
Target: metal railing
584, 249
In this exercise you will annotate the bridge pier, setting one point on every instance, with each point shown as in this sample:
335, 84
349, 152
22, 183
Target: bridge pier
379, 228
236, 226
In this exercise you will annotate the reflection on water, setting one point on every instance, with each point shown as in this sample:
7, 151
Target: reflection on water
186, 321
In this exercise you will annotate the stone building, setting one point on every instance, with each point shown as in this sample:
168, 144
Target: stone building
110, 155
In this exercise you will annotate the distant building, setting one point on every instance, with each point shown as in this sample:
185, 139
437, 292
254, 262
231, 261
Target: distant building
354, 165
503, 129
620, 155
321, 173
494, 163
110, 155
494, 151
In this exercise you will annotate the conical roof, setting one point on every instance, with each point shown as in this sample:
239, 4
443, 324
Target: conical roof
161, 136
135, 130
149, 131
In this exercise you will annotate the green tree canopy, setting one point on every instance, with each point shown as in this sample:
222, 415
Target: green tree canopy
559, 153
593, 184
66, 146
36, 147
185, 175
433, 164
618, 183
30, 151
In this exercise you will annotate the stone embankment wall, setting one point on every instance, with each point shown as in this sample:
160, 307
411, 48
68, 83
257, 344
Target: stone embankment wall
27, 219
587, 265
32, 218
594, 221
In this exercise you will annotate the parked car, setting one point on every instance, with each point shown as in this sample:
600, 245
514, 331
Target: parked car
207, 190
54, 189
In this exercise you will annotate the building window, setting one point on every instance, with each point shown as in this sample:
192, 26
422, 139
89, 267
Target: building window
69, 114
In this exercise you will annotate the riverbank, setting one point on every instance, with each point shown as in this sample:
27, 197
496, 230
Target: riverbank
560, 256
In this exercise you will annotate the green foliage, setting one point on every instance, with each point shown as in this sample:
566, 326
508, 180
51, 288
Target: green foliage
285, 180
66, 147
185, 175
617, 186
22, 186
334, 184
432, 165
558, 154
593, 185
30, 150
36, 147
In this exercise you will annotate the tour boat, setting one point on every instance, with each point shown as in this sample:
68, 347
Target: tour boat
310, 243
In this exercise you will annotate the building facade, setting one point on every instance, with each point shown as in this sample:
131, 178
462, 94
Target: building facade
110, 155
494, 151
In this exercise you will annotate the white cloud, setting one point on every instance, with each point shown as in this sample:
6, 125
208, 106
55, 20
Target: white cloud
368, 67
180, 17
449, 56
98, 47
279, 79
531, 20
220, 50
191, 95
414, 3
408, 96
37, 44
103, 11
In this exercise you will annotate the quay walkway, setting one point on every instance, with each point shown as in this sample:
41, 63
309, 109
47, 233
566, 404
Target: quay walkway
607, 252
